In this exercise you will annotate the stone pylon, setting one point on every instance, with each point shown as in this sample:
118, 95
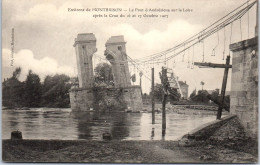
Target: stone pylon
116, 54
85, 45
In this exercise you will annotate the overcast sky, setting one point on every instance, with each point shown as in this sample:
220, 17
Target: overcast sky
45, 32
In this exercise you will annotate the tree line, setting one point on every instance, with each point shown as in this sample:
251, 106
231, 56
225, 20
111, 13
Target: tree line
52, 92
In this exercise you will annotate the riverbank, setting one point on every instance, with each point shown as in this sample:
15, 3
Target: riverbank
120, 152
95, 151
186, 109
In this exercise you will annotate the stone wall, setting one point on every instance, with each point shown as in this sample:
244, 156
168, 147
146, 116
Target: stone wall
133, 98
106, 99
81, 99
244, 88
109, 99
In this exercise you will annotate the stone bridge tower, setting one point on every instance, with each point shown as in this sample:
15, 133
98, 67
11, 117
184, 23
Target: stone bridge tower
85, 45
116, 54
85, 97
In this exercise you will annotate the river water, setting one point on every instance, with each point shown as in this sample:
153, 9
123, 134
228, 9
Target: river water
50, 123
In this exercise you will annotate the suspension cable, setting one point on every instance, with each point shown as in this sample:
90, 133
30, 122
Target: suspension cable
188, 40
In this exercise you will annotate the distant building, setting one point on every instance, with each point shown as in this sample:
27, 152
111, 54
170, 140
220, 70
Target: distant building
184, 89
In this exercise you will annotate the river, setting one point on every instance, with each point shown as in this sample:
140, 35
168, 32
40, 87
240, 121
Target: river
53, 123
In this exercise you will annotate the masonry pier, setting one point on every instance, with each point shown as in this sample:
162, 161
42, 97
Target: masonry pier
85, 96
244, 89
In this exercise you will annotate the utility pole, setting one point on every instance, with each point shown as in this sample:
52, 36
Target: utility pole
224, 82
141, 74
165, 83
257, 12
223, 89
153, 114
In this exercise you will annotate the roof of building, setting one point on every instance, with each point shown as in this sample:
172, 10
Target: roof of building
115, 39
86, 37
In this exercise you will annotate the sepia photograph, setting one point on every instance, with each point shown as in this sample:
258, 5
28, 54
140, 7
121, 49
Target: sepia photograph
131, 81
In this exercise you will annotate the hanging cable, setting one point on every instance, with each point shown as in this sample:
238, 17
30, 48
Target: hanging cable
190, 39
240, 29
203, 36
183, 54
224, 44
192, 66
203, 51
165, 60
214, 49
188, 58
174, 64
247, 22
239, 15
230, 37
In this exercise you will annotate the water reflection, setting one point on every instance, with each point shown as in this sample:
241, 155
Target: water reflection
47, 123
119, 128
84, 124
152, 134
91, 125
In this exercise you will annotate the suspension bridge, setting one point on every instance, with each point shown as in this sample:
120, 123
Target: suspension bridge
193, 49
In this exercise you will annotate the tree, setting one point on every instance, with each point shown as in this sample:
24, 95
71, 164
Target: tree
193, 94
201, 97
16, 73
32, 90
55, 91
12, 90
158, 92
103, 74
202, 84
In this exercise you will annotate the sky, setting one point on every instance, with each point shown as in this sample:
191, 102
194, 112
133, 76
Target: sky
44, 33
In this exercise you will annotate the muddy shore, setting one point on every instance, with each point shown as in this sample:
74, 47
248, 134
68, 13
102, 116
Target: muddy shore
115, 151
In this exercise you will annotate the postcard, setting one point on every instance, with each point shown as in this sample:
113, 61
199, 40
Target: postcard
109, 81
